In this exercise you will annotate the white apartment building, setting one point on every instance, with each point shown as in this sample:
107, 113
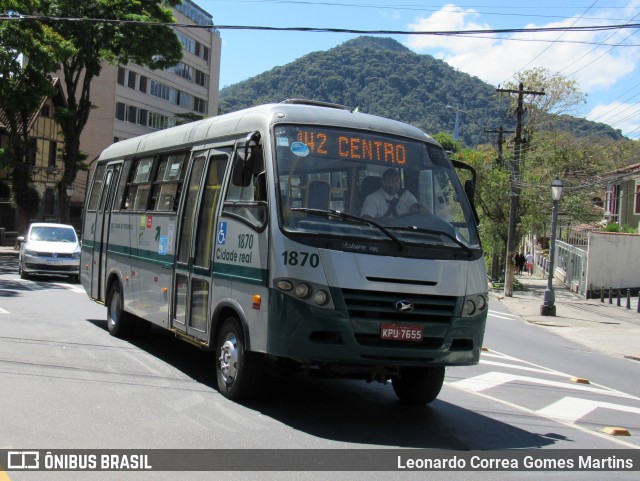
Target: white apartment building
132, 100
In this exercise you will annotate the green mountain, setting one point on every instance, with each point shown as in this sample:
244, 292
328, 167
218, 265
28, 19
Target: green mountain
382, 77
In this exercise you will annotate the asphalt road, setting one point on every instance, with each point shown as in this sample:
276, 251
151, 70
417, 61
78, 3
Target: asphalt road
67, 384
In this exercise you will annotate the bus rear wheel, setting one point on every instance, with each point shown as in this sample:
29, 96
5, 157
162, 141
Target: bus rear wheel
418, 385
119, 322
237, 370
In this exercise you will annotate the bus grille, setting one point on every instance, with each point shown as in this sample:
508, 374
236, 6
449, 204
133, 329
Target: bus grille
380, 307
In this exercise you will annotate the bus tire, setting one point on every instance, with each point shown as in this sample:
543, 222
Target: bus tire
418, 385
119, 322
238, 371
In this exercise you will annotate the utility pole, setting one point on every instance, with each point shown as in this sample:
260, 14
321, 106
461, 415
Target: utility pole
495, 261
515, 188
500, 132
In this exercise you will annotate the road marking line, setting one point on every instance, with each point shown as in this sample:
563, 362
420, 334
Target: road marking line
504, 315
571, 409
559, 421
522, 368
493, 379
4, 311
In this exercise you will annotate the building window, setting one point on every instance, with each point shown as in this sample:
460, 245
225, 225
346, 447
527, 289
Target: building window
142, 117
185, 100
202, 52
636, 209
120, 110
202, 79
163, 91
131, 82
53, 151
143, 84
200, 105
121, 75
132, 114
157, 121
182, 70
46, 110
188, 43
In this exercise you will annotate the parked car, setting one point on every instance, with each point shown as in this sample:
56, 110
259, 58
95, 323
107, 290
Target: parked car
49, 249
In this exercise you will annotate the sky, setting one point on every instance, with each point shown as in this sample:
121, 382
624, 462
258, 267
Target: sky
604, 64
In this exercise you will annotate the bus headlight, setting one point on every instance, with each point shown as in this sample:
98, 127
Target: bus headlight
302, 290
284, 285
320, 297
309, 292
474, 305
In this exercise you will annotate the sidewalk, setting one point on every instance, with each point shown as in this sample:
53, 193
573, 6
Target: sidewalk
598, 325
8, 251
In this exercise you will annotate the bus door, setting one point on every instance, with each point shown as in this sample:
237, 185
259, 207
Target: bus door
192, 280
101, 230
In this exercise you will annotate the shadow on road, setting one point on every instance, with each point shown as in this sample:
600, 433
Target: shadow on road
351, 411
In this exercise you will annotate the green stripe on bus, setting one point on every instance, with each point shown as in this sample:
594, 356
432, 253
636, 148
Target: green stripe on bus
251, 275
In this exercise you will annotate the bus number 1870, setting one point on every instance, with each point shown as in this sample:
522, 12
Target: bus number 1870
295, 258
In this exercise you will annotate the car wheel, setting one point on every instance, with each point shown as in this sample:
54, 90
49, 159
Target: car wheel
119, 322
23, 274
238, 371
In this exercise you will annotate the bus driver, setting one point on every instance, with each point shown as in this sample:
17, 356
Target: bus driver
389, 200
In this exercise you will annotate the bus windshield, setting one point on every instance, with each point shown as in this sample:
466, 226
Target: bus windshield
369, 186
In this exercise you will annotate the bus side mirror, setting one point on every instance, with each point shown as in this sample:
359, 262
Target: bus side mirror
470, 191
242, 170
244, 159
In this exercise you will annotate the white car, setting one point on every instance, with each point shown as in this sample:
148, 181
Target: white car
49, 249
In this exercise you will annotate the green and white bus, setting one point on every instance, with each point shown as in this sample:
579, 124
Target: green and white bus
254, 234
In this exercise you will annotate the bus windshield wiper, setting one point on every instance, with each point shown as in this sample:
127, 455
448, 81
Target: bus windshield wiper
360, 220
422, 230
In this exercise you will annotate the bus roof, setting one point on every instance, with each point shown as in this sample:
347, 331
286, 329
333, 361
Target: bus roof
258, 118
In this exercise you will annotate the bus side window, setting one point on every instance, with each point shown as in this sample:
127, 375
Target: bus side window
140, 185
121, 202
168, 182
249, 202
98, 179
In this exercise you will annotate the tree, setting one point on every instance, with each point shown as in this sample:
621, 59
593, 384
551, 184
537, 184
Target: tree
131, 32
561, 96
30, 50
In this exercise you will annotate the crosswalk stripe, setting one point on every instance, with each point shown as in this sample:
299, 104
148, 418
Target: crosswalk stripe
522, 368
493, 379
571, 408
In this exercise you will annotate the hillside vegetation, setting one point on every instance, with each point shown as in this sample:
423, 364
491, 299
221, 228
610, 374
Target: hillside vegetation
382, 77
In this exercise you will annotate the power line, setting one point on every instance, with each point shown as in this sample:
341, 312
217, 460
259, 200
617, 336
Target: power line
586, 28
556, 40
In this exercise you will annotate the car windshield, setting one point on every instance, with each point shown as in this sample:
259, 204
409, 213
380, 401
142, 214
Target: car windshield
52, 234
353, 184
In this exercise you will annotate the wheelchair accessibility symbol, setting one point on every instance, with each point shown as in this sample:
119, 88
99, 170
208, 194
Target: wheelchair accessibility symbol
222, 233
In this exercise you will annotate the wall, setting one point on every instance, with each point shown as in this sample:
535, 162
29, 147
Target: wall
613, 260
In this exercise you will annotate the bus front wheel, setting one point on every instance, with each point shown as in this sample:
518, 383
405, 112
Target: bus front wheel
119, 322
418, 385
237, 370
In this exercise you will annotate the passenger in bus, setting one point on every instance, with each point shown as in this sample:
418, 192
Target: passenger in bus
390, 200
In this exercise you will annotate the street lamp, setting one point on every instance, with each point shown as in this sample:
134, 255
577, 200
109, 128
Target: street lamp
548, 307
69, 190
